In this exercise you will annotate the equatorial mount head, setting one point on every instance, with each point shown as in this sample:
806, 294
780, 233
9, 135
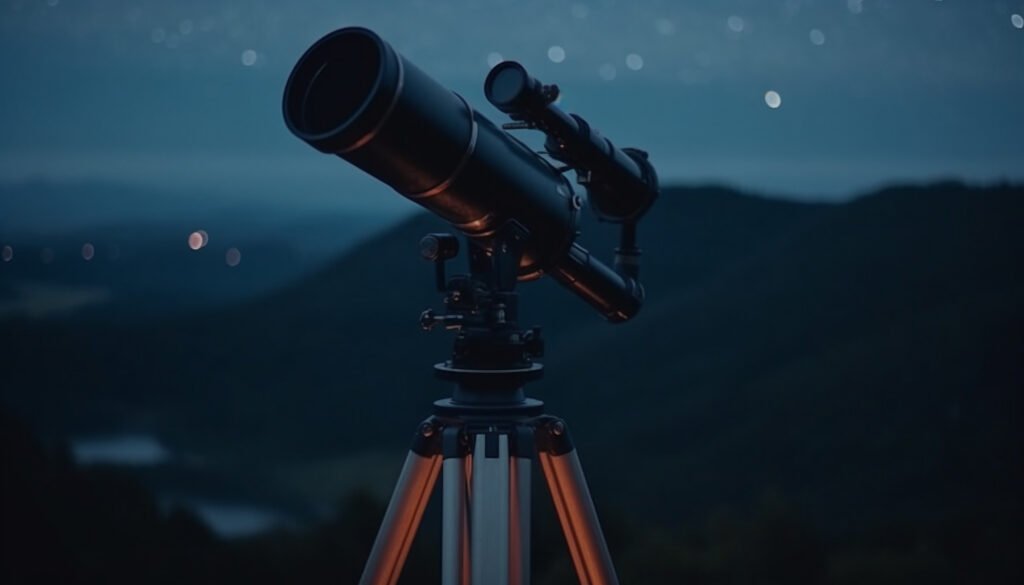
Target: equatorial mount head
492, 357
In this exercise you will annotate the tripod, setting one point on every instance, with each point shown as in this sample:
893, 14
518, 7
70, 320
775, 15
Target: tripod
483, 439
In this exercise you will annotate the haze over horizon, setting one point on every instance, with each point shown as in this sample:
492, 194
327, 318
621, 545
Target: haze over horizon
186, 96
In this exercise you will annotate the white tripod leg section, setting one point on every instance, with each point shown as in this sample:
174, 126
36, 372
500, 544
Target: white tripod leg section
519, 561
455, 521
489, 510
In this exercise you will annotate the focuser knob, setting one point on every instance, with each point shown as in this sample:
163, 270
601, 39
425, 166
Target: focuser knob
439, 248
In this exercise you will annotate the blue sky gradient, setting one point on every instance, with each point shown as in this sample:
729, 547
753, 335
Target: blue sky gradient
186, 94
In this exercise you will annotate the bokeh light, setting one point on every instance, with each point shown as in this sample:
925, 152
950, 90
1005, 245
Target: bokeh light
494, 58
7, 253
556, 54
664, 26
249, 57
607, 71
198, 239
634, 62
232, 257
817, 37
88, 251
736, 24
773, 99
1017, 21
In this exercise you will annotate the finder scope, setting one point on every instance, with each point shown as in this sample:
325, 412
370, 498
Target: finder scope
351, 94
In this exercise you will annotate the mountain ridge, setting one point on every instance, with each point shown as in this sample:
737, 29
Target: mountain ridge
754, 307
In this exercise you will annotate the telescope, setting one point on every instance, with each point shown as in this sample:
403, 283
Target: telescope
352, 95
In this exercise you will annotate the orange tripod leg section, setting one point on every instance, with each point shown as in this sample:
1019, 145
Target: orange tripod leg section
575, 508
402, 519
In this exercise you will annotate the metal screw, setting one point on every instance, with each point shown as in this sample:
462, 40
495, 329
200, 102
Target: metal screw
426, 429
558, 428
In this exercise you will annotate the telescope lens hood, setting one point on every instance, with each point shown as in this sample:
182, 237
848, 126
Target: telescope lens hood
341, 88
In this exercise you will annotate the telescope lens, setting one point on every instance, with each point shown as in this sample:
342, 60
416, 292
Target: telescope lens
341, 86
331, 93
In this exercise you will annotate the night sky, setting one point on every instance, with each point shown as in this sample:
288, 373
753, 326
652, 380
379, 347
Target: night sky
186, 94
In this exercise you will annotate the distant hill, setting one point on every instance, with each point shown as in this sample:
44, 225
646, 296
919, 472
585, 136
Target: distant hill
139, 263
863, 359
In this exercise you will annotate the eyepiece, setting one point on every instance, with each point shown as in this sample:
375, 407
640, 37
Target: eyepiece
515, 92
507, 87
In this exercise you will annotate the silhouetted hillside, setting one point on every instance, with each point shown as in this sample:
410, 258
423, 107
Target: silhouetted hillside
870, 362
70, 525
861, 362
117, 253
347, 338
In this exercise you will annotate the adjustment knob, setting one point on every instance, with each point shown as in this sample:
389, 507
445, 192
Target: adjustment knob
429, 319
533, 342
439, 247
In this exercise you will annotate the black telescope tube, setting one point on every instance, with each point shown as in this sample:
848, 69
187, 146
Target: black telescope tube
351, 94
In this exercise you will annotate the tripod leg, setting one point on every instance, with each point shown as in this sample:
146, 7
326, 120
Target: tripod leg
486, 515
576, 513
519, 561
455, 473
415, 484
489, 510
